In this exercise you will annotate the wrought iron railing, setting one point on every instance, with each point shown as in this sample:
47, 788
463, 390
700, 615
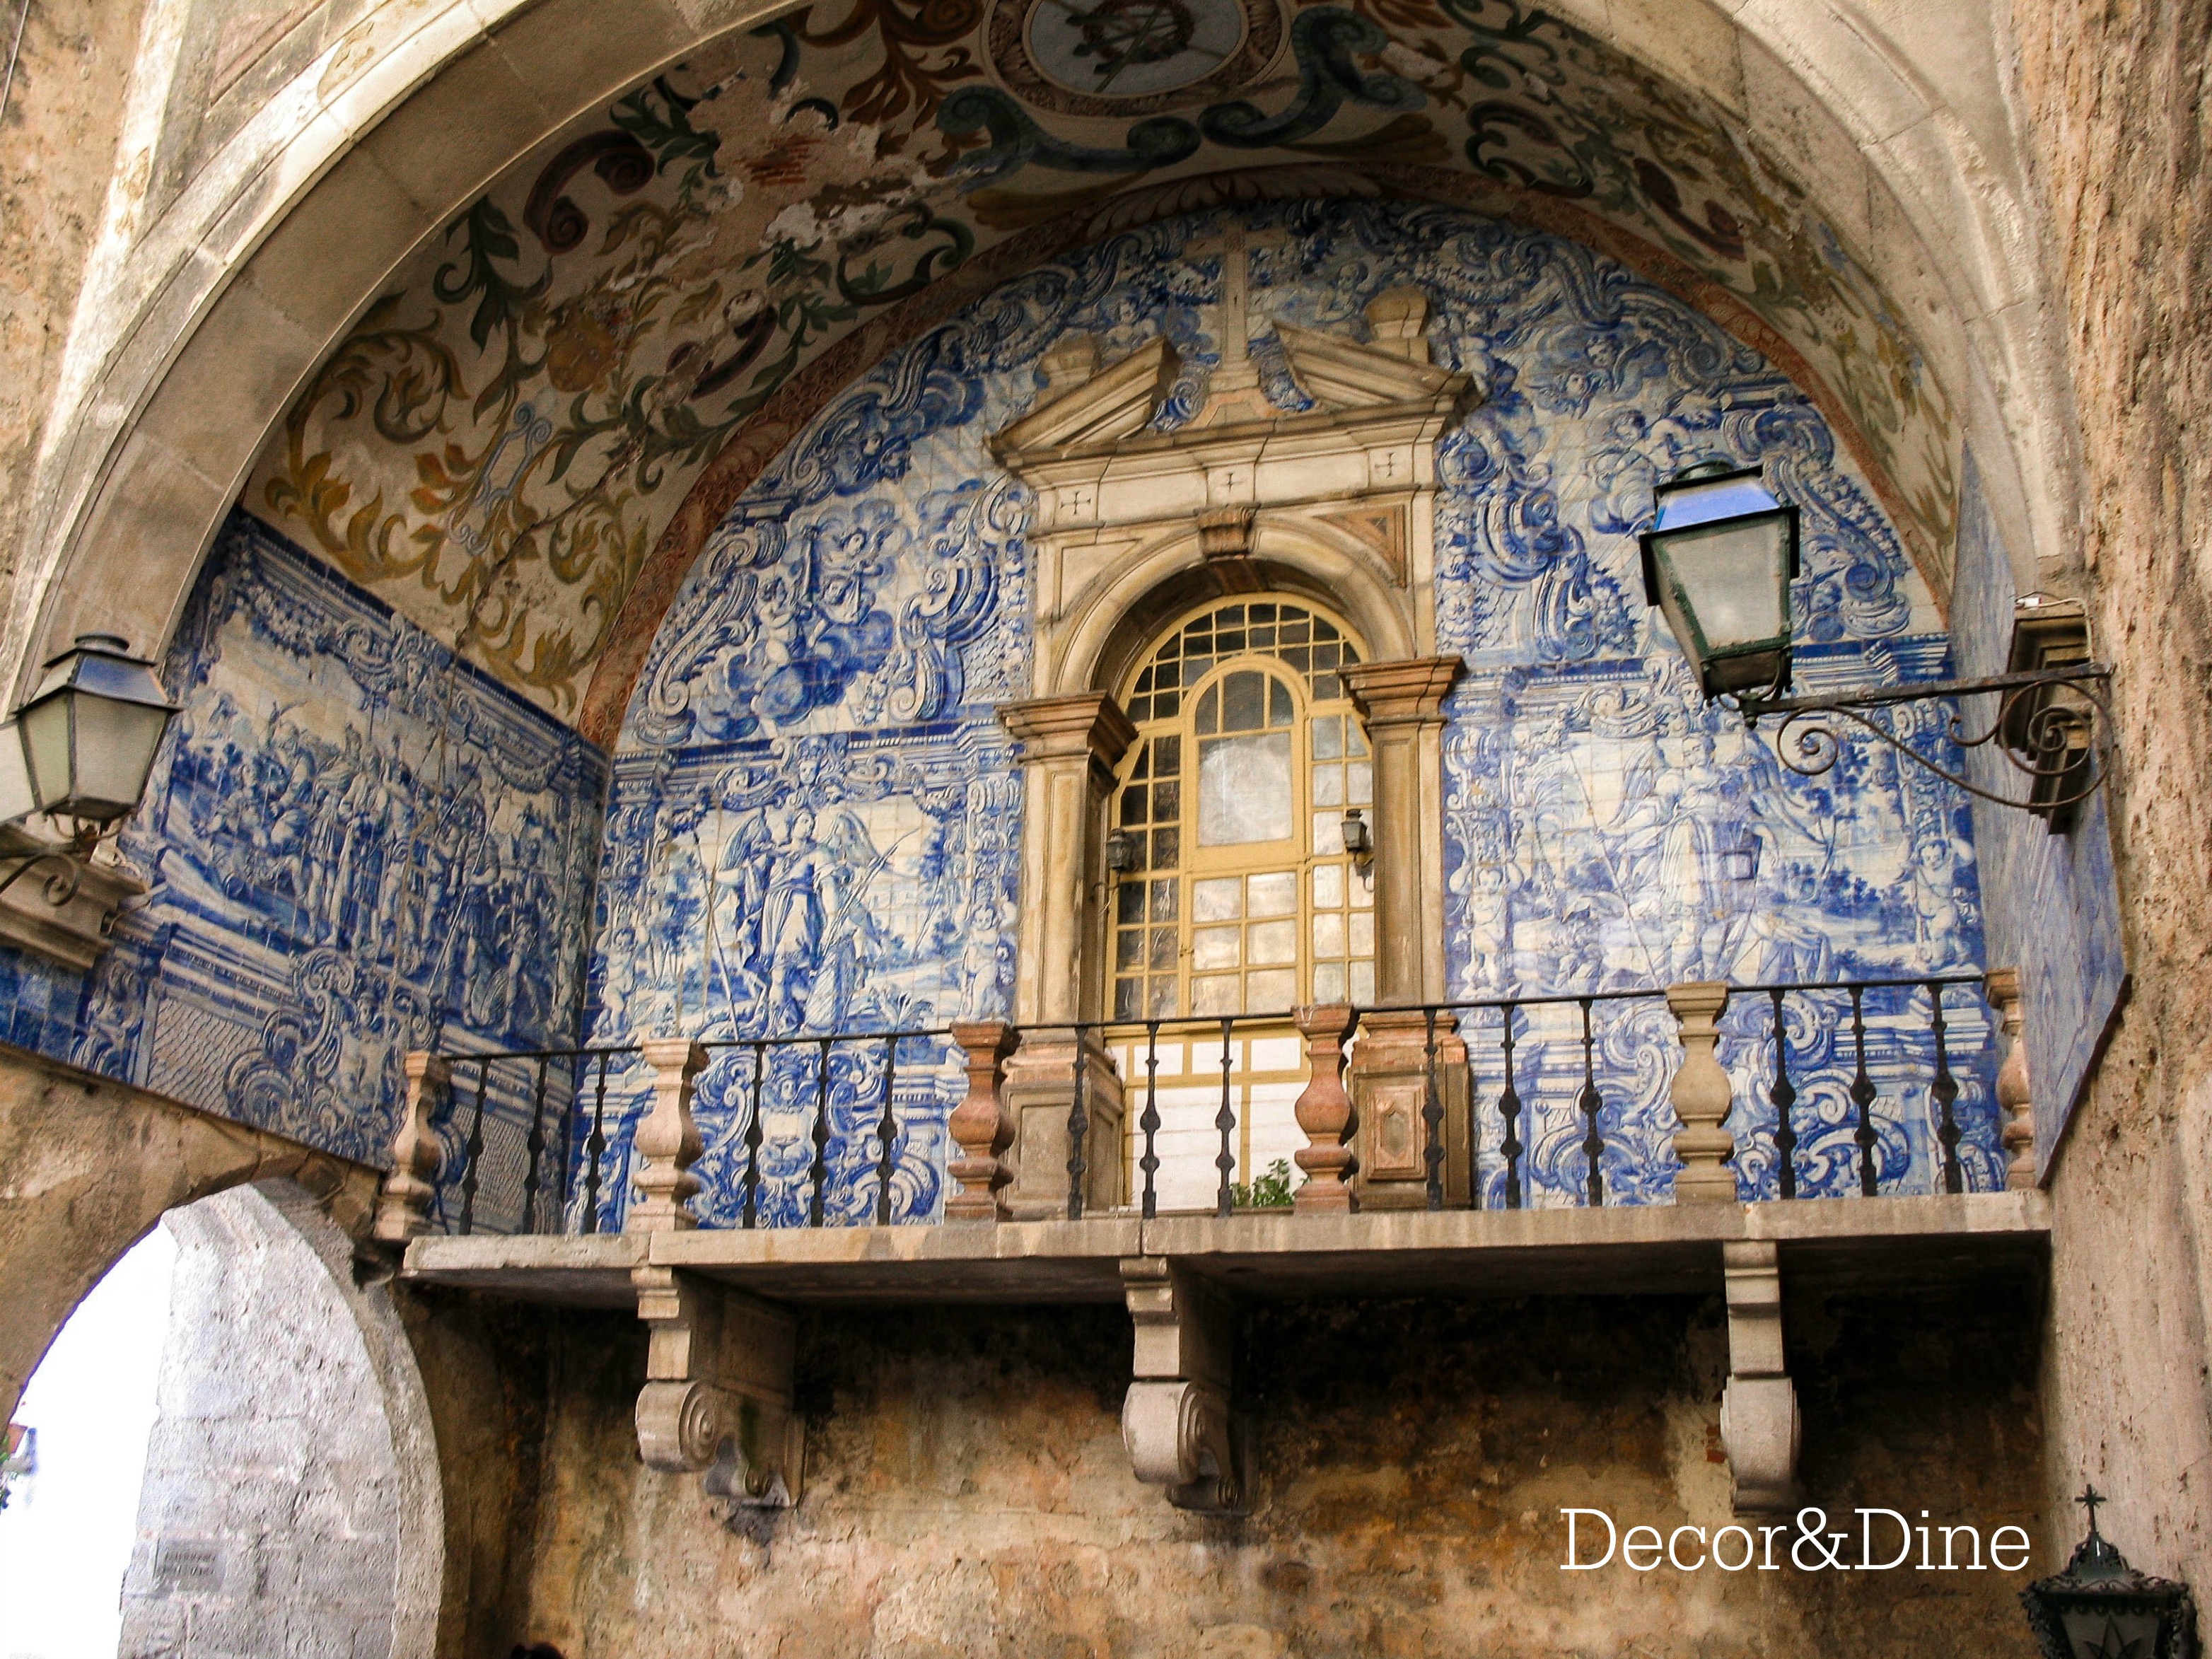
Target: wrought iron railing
1515, 1103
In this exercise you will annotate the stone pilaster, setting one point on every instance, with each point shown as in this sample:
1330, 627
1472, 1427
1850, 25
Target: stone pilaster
1402, 704
1069, 748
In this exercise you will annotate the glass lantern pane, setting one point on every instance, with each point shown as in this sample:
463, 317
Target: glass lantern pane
115, 745
1734, 579
1244, 789
46, 747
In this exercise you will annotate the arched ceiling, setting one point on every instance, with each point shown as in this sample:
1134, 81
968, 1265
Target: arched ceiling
528, 434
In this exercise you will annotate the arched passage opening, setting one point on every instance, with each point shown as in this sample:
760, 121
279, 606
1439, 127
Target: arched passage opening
233, 1453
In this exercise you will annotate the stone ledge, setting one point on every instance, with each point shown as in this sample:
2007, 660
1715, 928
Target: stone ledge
1652, 1249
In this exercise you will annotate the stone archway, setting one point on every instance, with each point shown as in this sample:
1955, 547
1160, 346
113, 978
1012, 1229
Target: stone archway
291, 1479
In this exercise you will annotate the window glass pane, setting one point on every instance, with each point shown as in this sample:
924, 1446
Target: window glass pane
1328, 982
1328, 933
1327, 687
1163, 900
1167, 848
1329, 737
1209, 710
1328, 886
1362, 982
1276, 988
1133, 805
1363, 932
1215, 947
1244, 789
1363, 889
1359, 782
1242, 709
1273, 941
1221, 899
1163, 950
1129, 950
1167, 802
1327, 834
1275, 894
1130, 901
1218, 993
1126, 992
1161, 1003
1167, 756
1280, 712
1328, 789
1355, 741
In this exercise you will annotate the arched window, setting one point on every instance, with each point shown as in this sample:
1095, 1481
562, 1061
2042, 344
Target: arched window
1248, 753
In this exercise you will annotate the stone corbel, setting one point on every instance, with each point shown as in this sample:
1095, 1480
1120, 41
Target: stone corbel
1177, 1420
1759, 1428
717, 1396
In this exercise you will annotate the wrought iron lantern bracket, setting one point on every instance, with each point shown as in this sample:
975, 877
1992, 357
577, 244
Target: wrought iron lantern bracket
2051, 724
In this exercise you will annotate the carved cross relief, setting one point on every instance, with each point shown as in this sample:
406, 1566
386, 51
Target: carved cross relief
1343, 491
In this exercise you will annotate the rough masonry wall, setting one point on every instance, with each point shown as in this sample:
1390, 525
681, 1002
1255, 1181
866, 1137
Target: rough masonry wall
61, 125
968, 1494
2113, 96
269, 1512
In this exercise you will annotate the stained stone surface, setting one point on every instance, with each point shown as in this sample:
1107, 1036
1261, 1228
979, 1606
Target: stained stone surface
269, 1518
969, 1494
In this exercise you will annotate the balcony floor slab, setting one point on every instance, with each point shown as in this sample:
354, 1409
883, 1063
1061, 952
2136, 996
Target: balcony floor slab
1660, 1248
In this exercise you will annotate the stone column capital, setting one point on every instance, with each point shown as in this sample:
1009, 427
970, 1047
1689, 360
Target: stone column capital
1089, 724
1410, 692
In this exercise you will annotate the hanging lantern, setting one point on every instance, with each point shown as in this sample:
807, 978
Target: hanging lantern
2100, 1607
1718, 561
91, 730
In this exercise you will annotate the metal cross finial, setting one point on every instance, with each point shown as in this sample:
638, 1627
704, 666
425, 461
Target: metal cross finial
2089, 1500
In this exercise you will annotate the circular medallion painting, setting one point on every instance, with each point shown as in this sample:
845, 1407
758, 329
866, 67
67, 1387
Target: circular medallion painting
1123, 57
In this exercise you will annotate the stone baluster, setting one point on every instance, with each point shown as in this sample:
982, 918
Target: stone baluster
980, 1124
668, 1142
403, 1207
1324, 1110
2014, 1094
1701, 1097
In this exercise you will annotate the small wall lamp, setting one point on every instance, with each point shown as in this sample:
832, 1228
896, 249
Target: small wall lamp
1122, 851
1718, 561
1358, 838
2100, 1607
82, 749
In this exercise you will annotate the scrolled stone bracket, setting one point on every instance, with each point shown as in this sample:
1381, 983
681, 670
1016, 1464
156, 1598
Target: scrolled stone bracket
1760, 1431
1178, 1420
717, 1396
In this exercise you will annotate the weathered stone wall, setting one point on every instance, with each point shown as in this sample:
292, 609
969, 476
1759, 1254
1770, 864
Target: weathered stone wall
968, 1493
270, 1508
2113, 97
62, 119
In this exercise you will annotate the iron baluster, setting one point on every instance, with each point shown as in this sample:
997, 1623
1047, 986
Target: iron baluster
595, 1148
1783, 1094
751, 1217
1946, 1090
1225, 1120
567, 1149
536, 1144
1862, 1096
1150, 1122
820, 1174
1509, 1107
1078, 1127
887, 1130
474, 1152
1433, 1115
1592, 1104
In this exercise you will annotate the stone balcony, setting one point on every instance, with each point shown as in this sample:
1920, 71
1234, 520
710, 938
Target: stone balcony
722, 1299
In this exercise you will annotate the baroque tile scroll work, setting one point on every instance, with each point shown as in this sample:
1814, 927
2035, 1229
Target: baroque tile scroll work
511, 429
814, 817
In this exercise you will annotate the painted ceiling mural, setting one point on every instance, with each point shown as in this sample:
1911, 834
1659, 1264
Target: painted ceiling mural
814, 821
652, 304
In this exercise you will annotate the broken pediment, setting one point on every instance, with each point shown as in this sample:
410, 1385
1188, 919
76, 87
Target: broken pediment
1101, 407
1345, 375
